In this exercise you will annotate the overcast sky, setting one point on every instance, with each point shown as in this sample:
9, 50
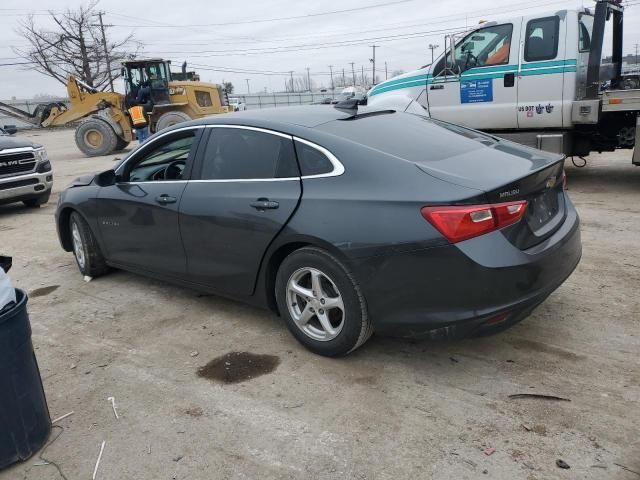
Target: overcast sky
252, 36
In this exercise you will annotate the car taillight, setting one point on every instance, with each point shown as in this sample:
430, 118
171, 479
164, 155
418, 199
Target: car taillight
463, 222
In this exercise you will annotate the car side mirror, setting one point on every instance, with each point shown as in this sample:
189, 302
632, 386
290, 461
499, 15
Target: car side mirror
106, 179
10, 129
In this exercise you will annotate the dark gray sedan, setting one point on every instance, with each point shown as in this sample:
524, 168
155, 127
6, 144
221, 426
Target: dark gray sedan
342, 223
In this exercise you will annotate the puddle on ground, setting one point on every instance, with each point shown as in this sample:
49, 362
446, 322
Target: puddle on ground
236, 367
41, 292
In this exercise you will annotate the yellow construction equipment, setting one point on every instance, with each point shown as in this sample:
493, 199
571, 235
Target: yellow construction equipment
105, 125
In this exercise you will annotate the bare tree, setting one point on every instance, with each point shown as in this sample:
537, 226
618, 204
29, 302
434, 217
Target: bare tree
75, 46
301, 84
228, 86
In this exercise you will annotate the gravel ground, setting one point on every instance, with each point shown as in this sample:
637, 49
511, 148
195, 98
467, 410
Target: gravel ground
392, 410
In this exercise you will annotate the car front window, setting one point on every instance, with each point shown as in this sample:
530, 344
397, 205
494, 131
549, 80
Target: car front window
154, 164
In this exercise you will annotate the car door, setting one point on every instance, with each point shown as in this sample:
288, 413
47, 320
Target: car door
541, 76
138, 216
477, 86
248, 186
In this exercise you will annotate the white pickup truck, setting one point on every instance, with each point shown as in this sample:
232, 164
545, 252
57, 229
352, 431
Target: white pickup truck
25, 171
538, 80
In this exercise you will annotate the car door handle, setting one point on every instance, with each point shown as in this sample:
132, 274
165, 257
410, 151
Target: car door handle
436, 87
264, 204
165, 199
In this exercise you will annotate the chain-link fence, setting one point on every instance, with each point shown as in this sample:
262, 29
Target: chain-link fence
269, 100
251, 102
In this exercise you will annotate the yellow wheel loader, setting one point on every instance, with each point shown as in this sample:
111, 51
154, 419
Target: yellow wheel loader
105, 125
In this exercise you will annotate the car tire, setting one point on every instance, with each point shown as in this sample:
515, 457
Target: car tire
332, 321
37, 202
88, 256
170, 119
95, 137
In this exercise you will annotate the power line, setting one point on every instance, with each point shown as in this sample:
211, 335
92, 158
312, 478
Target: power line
310, 46
279, 19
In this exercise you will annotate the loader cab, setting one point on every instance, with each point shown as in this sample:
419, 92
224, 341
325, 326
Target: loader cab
148, 76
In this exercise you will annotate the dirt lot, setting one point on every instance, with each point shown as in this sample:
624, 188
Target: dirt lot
392, 410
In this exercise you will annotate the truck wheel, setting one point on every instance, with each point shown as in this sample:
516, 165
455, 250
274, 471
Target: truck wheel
89, 258
171, 118
38, 201
121, 144
95, 137
630, 83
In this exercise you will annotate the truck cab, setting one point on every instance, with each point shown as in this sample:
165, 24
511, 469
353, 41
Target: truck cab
535, 79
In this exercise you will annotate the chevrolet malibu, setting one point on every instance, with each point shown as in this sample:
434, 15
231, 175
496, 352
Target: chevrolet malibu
342, 223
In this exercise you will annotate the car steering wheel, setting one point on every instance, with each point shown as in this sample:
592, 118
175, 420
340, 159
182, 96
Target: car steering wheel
174, 170
470, 56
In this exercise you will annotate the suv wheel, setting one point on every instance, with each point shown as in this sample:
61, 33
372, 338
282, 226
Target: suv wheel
322, 303
37, 202
90, 260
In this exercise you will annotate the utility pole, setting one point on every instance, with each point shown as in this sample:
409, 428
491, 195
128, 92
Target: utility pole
308, 79
331, 73
248, 88
637, 53
291, 75
432, 47
363, 82
353, 71
373, 60
386, 72
344, 82
106, 51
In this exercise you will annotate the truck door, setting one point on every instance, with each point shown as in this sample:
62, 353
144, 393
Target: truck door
477, 85
541, 72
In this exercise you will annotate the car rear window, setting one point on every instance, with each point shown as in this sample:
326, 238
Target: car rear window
411, 137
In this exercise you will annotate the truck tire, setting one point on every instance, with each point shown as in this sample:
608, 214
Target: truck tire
169, 119
38, 201
631, 83
121, 144
95, 137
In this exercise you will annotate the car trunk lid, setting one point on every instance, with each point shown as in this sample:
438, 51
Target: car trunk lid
512, 172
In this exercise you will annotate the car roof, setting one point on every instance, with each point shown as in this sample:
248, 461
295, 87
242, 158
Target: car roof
309, 116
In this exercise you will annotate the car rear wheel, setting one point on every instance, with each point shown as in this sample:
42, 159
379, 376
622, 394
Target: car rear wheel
89, 258
322, 303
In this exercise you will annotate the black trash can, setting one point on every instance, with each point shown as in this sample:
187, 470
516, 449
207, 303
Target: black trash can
25, 424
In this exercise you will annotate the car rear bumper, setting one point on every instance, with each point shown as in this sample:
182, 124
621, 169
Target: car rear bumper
455, 290
25, 187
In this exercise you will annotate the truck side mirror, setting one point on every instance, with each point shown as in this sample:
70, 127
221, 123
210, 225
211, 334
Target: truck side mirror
106, 179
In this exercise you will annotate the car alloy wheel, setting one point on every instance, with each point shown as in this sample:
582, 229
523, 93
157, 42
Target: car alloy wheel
78, 248
315, 304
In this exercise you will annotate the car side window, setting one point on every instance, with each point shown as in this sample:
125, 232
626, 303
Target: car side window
541, 40
312, 161
163, 160
243, 154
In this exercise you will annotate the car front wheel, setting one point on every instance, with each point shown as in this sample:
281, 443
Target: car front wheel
322, 303
89, 258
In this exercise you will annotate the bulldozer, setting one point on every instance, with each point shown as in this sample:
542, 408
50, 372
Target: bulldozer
104, 124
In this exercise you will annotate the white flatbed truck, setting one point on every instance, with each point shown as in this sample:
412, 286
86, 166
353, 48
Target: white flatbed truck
538, 80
